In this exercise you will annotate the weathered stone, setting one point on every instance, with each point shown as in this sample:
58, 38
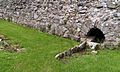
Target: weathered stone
111, 5
118, 9
71, 51
79, 48
99, 5
5, 45
59, 56
67, 18
116, 14
82, 12
94, 52
105, 18
1, 40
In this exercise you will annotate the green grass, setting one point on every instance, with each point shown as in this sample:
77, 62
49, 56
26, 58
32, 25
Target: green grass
41, 49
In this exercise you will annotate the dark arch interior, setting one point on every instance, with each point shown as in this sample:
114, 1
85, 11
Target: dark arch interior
96, 35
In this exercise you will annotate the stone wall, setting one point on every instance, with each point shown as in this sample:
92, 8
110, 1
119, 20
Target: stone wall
67, 18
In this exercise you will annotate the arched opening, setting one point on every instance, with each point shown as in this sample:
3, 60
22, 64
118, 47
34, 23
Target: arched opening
96, 35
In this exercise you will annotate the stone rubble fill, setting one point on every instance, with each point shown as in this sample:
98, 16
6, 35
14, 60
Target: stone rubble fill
67, 18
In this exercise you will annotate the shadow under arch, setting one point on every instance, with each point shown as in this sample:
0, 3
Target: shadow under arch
96, 34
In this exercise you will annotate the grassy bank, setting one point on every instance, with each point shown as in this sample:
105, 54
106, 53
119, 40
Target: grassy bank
40, 49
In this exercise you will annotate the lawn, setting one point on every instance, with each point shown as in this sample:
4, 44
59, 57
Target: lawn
40, 49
